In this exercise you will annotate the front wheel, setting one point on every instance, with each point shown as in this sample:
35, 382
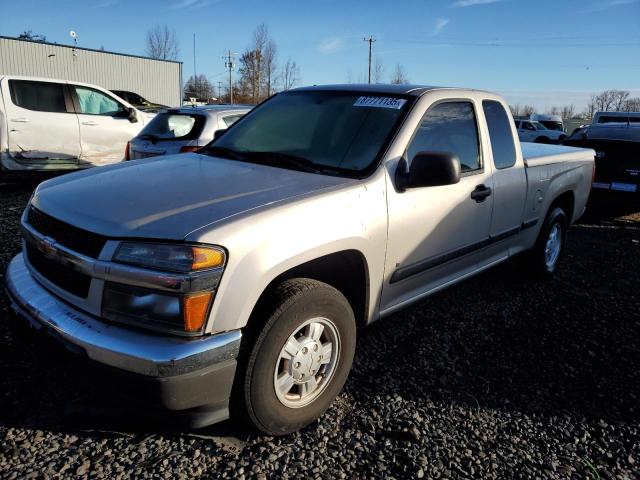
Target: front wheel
547, 252
301, 358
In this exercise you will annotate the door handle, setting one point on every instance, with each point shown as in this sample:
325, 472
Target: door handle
91, 123
481, 193
20, 120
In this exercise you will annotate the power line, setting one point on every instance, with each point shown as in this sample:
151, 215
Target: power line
371, 40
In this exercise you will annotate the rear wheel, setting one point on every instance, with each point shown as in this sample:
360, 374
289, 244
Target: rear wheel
542, 140
301, 357
547, 252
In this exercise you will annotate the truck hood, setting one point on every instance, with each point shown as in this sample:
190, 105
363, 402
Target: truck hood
169, 197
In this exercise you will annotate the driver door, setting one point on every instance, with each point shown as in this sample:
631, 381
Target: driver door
436, 234
105, 127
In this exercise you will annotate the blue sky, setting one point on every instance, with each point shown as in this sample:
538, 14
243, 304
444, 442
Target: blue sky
544, 52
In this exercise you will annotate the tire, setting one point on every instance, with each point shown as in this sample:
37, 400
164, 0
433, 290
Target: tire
547, 252
561, 139
542, 140
294, 311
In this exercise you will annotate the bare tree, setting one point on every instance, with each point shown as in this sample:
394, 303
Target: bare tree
632, 105
553, 111
568, 111
528, 110
399, 76
378, 71
270, 54
515, 110
199, 87
290, 74
162, 43
590, 109
252, 63
619, 99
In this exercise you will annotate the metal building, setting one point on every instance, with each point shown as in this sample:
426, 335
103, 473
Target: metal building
158, 81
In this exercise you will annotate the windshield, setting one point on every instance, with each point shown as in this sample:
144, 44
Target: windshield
325, 132
552, 125
539, 126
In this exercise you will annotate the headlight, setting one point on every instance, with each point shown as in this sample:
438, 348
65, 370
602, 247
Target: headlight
170, 257
181, 314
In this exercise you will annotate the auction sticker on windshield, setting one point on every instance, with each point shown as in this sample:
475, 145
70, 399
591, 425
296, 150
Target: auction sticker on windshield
380, 102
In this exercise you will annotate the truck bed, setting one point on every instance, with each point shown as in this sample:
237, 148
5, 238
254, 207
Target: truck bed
537, 154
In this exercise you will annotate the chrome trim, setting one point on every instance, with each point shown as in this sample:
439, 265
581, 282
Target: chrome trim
119, 272
135, 351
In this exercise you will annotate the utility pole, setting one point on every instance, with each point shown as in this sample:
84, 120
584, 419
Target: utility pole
195, 75
228, 63
219, 90
371, 40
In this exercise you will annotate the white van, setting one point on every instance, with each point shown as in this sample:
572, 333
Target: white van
552, 122
50, 124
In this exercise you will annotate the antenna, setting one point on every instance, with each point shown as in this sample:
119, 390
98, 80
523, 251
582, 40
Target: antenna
74, 35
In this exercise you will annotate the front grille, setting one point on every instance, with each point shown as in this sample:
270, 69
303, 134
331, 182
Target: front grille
73, 238
73, 282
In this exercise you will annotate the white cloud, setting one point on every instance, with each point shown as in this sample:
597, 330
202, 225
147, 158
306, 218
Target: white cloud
471, 3
601, 5
330, 45
189, 4
440, 24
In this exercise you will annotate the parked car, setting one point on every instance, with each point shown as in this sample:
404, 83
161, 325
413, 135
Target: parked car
616, 117
552, 122
530, 131
184, 129
139, 101
617, 147
58, 125
253, 262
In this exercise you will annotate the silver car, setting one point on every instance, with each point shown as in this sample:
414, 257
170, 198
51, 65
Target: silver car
180, 130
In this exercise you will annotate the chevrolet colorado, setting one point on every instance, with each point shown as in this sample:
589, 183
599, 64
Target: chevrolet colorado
236, 277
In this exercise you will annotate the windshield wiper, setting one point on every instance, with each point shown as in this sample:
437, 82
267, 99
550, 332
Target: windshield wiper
278, 158
222, 151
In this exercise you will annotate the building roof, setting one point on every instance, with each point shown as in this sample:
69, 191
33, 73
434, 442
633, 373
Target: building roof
2, 37
414, 90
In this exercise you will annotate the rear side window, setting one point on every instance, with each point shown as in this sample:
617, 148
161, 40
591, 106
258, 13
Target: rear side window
174, 126
231, 119
502, 146
39, 96
93, 102
449, 127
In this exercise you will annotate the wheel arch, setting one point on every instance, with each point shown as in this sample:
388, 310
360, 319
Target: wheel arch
347, 271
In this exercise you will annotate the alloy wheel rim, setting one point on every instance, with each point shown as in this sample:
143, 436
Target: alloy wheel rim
307, 362
553, 246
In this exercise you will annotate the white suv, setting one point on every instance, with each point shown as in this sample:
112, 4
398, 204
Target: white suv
50, 124
532, 131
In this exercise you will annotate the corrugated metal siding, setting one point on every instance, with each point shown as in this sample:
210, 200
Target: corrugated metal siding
156, 80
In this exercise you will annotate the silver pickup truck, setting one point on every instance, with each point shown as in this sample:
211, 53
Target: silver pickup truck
236, 278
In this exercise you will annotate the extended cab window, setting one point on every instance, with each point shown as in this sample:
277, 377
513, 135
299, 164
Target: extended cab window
502, 146
93, 102
449, 127
39, 96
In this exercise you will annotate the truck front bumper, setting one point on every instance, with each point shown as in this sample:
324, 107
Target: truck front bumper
185, 374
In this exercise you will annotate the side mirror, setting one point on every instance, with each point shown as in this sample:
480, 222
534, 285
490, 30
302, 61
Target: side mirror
428, 169
217, 133
133, 117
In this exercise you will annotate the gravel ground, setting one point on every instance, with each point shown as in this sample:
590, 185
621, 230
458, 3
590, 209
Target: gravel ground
499, 377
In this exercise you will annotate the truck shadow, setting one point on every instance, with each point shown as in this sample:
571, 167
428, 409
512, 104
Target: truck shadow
569, 345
